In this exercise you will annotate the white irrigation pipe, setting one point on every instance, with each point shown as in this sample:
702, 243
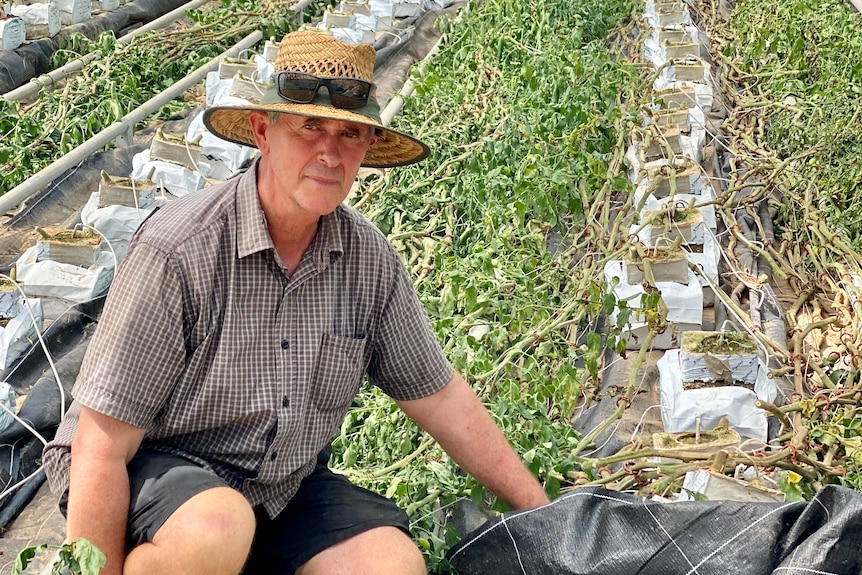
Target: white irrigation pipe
32, 88
120, 128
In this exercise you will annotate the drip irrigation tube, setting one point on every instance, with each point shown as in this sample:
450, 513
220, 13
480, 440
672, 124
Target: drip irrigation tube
35, 84
119, 129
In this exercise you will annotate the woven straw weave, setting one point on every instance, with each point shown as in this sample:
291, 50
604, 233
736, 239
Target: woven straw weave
323, 55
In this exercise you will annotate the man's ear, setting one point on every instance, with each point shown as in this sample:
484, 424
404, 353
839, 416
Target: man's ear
259, 125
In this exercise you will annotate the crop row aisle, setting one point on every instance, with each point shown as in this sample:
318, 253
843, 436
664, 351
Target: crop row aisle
636, 236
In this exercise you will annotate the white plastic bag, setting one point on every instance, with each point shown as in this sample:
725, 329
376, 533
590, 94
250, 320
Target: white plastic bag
41, 20
684, 304
219, 158
682, 409
61, 285
12, 33
178, 180
19, 334
116, 224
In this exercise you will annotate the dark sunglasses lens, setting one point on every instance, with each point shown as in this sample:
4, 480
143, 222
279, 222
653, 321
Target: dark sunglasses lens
347, 93
300, 88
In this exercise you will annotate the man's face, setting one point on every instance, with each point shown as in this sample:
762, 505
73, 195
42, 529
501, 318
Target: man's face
314, 161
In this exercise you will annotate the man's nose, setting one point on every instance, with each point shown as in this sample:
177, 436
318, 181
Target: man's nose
329, 149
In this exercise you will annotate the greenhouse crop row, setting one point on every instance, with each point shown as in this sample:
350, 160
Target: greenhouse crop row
570, 228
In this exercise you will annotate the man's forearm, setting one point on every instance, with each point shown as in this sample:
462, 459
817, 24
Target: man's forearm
465, 430
98, 508
489, 458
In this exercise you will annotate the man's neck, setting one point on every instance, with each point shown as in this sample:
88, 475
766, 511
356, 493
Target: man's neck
290, 241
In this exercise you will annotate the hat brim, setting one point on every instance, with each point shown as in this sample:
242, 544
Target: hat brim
392, 148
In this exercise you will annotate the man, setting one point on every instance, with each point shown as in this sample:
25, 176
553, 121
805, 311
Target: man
233, 340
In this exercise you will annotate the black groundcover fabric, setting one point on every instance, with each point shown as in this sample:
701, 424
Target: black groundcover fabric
594, 531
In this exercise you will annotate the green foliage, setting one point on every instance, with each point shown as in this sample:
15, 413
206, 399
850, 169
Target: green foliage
805, 57
79, 557
521, 107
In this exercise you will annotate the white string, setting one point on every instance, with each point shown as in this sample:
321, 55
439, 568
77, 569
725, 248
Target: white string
15, 487
610, 436
191, 159
255, 83
246, 51
43, 344
26, 425
137, 205
643, 416
107, 241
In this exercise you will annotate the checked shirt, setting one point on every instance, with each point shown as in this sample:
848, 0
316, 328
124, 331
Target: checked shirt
206, 344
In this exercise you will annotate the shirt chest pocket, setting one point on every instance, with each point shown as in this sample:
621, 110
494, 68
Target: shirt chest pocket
340, 365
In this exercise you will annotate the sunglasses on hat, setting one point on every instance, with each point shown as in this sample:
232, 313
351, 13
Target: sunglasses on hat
301, 88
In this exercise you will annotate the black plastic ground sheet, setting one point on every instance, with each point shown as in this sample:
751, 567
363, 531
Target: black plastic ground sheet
594, 531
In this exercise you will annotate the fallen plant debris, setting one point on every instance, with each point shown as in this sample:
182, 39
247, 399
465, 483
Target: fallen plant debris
507, 227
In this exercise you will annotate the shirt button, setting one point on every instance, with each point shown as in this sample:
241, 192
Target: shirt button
285, 344
285, 401
273, 456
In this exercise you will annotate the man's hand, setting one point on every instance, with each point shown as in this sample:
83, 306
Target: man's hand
459, 422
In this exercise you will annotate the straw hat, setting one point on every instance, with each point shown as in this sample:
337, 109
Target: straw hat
321, 54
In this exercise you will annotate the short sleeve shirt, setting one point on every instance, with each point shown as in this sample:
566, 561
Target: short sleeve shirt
209, 346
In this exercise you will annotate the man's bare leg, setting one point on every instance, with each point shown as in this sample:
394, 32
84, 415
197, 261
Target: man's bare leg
210, 534
379, 551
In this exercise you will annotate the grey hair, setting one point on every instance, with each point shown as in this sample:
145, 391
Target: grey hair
273, 117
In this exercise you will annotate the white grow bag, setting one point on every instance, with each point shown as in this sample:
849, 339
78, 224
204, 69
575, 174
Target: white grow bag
684, 304
20, 333
176, 179
116, 224
62, 285
681, 409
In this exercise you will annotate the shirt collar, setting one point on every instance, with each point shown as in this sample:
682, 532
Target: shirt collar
253, 235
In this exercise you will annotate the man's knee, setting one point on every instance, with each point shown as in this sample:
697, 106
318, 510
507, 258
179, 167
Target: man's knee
379, 551
215, 527
214, 515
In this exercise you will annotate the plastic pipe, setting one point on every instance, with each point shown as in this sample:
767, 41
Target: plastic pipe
121, 127
35, 84
299, 7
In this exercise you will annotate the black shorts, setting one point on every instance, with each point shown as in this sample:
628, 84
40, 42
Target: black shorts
326, 510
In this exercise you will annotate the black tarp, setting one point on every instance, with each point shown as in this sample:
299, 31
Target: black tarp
593, 531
